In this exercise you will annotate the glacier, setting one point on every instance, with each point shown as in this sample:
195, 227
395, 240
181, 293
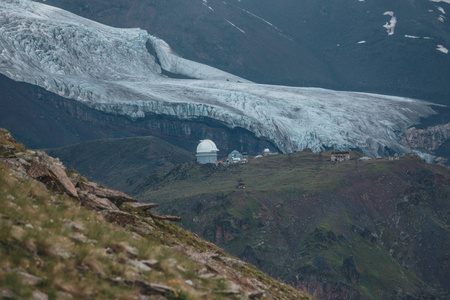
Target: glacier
111, 70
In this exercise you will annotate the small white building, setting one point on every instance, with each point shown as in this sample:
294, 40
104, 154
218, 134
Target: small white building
234, 157
207, 152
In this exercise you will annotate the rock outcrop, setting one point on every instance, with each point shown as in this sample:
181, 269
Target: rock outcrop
51, 172
115, 206
116, 197
428, 139
349, 270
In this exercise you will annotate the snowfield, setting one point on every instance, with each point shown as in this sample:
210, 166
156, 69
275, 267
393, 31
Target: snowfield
390, 27
111, 70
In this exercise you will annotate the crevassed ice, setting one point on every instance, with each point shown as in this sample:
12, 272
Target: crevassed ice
110, 69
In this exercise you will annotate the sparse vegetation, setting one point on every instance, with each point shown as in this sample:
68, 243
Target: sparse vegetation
373, 206
51, 244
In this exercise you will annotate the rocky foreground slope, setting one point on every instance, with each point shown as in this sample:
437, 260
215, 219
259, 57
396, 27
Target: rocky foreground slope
63, 237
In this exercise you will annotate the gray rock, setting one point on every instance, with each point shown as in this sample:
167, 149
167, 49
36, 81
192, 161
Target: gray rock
63, 295
51, 172
74, 226
152, 263
38, 295
139, 265
24, 155
114, 196
27, 278
95, 202
5, 293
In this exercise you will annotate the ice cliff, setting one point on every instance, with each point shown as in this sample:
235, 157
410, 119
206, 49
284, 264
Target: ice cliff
111, 70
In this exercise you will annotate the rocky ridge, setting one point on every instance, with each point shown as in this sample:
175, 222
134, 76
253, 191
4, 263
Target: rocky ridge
152, 259
429, 140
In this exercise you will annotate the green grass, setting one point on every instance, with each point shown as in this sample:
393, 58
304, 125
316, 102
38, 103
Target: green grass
34, 239
285, 198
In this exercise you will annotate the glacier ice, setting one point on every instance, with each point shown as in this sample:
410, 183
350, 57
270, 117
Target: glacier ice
110, 69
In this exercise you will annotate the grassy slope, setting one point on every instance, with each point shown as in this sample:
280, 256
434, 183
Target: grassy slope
289, 196
138, 159
35, 239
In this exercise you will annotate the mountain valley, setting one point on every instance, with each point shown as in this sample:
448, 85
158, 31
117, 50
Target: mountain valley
88, 62
63, 237
113, 97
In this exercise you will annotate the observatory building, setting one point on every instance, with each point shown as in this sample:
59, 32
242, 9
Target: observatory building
207, 152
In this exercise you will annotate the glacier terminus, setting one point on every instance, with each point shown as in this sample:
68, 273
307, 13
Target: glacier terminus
112, 70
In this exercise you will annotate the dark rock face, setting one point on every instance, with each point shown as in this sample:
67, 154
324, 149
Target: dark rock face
328, 291
349, 270
249, 255
48, 120
223, 232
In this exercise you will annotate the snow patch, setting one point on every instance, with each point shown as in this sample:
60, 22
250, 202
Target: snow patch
442, 49
411, 36
209, 7
268, 23
445, 1
441, 18
391, 25
361, 42
235, 26
441, 10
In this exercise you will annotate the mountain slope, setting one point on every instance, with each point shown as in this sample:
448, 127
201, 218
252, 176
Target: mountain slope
333, 44
54, 247
89, 62
377, 229
139, 159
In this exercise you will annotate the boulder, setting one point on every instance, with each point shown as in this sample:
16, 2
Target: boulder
151, 288
52, 173
38, 295
119, 217
27, 278
166, 217
138, 205
96, 203
74, 226
5, 293
114, 196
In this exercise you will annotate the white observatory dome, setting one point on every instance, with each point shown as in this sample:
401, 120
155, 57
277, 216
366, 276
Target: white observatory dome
207, 146
207, 152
